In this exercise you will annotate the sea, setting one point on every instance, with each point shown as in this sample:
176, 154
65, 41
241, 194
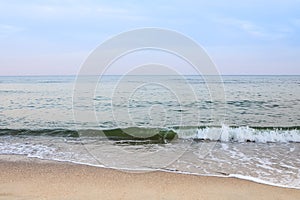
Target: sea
246, 127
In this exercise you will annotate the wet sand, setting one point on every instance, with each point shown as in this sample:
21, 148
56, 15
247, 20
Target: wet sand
28, 178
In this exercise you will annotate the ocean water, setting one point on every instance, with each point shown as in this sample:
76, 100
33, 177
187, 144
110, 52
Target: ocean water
236, 126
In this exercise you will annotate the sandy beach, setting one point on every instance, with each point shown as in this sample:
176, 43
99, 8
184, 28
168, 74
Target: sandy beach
28, 178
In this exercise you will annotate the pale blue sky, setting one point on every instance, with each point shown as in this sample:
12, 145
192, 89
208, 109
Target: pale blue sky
242, 37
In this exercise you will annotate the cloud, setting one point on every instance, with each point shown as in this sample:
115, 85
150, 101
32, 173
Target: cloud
67, 10
255, 30
6, 30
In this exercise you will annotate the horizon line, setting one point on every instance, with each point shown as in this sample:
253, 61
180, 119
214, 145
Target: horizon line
36, 75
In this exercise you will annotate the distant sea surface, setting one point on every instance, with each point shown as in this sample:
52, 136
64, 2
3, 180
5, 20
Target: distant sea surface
170, 123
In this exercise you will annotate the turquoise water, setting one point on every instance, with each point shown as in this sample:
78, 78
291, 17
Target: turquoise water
168, 123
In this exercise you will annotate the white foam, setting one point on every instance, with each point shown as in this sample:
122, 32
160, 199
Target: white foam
25, 149
257, 180
248, 178
246, 134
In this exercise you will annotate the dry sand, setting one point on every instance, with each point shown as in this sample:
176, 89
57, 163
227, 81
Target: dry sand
27, 178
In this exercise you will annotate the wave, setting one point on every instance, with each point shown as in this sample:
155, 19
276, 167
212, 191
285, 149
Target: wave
250, 134
165, 135
39, 132
148, 135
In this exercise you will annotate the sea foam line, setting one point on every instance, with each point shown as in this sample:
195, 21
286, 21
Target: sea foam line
247, 134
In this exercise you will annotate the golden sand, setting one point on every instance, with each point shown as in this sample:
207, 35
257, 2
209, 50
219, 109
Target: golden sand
27, 178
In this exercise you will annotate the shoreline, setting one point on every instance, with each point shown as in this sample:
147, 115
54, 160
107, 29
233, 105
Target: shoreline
32, 178
24, 158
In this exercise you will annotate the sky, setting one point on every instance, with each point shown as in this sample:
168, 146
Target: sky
43, 37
